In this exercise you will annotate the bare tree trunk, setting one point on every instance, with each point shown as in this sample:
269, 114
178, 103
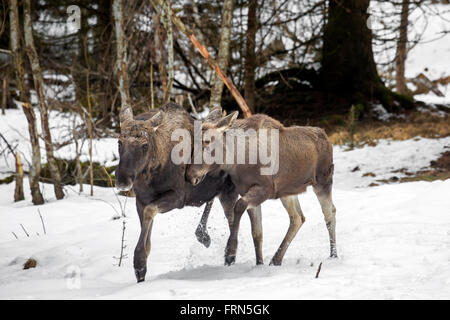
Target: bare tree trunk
43, 108
121, 51
79, 173
152, 96
18, 191
5, 87
400, 58
168, 26
35, 168
224, 52
205, 54
348, 66
160, 56
88, 118
250, 56
4, 91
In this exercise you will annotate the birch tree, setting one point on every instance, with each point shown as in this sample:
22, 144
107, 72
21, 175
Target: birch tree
35, 168
224, 52
42, 103
168, 26
250, 56
400, 58
121, 55
160, 55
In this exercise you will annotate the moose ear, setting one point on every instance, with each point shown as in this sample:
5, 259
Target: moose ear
126, 116
227, 121
214, 114
156, 120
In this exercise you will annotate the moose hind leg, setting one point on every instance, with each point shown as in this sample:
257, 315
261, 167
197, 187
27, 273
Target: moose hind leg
296, 217
329, 213
256, 222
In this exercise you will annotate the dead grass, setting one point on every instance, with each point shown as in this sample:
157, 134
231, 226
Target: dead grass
415, 124
429, 175
440, 170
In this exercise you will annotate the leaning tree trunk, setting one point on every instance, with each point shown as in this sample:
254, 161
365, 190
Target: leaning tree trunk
224, 52
400, 58
35, 168
250, 56
43, 108
348, 66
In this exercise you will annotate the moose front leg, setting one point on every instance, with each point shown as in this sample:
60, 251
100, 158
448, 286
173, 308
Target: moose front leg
201, 233
142, 249
253, 198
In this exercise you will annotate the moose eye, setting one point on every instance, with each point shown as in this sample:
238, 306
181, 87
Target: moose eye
120, 145
145, 147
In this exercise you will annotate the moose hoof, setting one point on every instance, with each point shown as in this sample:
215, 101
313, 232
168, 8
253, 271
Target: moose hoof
229, 260
203, 237
140, 274
275, 262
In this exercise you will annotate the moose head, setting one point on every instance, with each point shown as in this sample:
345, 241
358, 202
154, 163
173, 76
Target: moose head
213, 139
136, 146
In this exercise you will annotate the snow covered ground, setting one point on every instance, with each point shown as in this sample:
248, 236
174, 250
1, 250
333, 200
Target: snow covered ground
393, 242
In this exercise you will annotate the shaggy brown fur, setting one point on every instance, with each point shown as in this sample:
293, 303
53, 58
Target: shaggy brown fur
160, 186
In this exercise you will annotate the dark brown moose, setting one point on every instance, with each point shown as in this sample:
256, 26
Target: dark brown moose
305, 158
160, 185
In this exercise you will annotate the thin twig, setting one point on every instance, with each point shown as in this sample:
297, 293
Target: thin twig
122, 244
15, 235
23, 228
318, 270
192, 106
107, 175
42, 221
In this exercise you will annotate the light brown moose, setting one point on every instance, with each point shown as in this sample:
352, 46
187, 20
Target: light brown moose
305, 159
